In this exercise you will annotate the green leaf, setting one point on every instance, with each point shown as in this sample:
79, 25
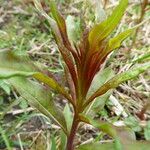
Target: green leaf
133, 123
60, 33
100, 102
5, 86
12, 65
68, 116
100, 78
53, 146
115, 42
111, 146
5, 73
23, 104
59, 19
102, 30
118, 79
5, 138
63, 140
97, 146
143, 58
120, 134
147, 131
39, 97
51, 21
52, 84
72, 28
61, 24
101, 125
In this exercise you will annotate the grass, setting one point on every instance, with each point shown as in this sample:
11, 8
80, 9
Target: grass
23, 30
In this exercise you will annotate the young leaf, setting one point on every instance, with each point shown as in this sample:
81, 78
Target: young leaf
51, 21
115, 42
118, 79
59, 19
102, 30
61, 25
60, 33
39, 97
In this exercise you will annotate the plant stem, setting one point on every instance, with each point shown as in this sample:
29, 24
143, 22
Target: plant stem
70, 141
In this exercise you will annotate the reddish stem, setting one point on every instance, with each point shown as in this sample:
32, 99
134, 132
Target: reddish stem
70, 141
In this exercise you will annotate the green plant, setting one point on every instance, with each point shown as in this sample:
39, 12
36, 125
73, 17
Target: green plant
83, 60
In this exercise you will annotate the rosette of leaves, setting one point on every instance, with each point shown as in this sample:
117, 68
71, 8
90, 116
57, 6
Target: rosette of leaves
83, 61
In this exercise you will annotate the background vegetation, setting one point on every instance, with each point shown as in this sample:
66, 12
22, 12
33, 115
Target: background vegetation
23, 29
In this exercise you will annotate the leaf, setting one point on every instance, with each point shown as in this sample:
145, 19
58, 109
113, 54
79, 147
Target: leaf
102, 30
111, 146
63, 140
100, 78
53, 146
23, 104
58, 18
147, 131
40, 98
12, 65
118, 79
142, 58
5, 73
61, 25
5, 86
115, 42
133, 123
96, 146
15, 65
5, 138
60, 33
52, 84
51, 21
100, 102
101, 125
72, 28
123, 134
68, 116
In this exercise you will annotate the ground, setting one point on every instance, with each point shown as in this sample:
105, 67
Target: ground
24, 29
